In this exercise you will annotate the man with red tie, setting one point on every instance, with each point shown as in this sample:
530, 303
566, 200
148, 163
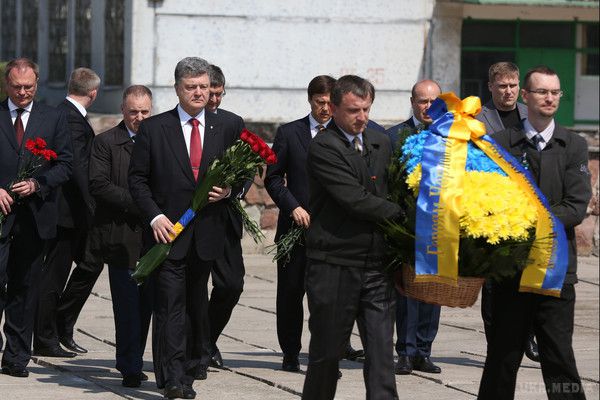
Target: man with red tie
172, 154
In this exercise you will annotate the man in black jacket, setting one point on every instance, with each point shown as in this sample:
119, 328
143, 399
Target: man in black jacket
558, 160
116, 234
28, 206
344, 279
75, 211
416, 321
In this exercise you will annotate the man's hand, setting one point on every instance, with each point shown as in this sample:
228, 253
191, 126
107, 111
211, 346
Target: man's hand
218, 193
301, 217
5, 201
162, 229
24, 188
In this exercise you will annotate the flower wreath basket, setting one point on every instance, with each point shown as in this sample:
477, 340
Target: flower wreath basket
472, 212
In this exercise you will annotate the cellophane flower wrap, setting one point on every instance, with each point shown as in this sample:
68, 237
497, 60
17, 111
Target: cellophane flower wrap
472, 209
239, 163
37, 153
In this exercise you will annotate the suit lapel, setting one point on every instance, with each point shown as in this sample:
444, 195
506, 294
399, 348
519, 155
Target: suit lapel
210, 145
175, 140
303, 132
6, 125
34, 124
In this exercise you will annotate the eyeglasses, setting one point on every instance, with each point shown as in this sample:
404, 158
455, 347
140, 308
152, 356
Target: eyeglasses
545, 92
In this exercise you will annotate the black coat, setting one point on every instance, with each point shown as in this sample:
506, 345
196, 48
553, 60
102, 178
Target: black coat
75, 204
161, 181
393, 132
348, 198
286, 181
561, 172
116, 234
51, 125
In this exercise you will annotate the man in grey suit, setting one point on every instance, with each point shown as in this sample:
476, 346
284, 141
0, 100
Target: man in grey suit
503, 112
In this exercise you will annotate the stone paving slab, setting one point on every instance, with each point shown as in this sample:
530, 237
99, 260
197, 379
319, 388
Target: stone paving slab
251, 352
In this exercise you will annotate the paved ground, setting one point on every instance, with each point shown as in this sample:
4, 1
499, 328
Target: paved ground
249, 346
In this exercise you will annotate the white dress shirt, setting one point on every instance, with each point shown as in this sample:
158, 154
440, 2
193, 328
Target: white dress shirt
79, 107
546, 134
186, 126
24, 116
314, 123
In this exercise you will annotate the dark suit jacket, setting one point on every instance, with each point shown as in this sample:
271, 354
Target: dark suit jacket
116, 234
51, 125
348, 198
291, 146
375, 126
236, 123
562, 174
393, 132
75, 204
161, 180
490, 117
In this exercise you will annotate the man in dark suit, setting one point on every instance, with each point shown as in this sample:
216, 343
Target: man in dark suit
75, 210
115, 237
28, 206
345, 280
172, 153
558, 161
287, 184
228, 271
416, 322
503, 111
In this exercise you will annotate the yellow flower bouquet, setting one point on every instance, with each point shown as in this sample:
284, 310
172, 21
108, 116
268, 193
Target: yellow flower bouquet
472, 210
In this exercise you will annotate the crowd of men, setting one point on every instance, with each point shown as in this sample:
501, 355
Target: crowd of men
108, 198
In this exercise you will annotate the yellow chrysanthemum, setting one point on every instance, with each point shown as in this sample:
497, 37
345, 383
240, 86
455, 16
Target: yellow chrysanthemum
494, 207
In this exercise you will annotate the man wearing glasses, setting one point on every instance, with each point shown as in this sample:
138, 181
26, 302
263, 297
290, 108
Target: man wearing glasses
558, 161
503, 112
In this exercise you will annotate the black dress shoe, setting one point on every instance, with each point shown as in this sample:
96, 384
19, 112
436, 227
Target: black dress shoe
53, 352
531, 350
173, 391
143, 376
201, 372
132, 381
424, 364
216, 361
352, 354
17, 372
188, 392
339, 374
404, 366
70, 344
290, 363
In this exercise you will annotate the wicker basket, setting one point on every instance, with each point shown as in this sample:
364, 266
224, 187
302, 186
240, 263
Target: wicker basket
463, 295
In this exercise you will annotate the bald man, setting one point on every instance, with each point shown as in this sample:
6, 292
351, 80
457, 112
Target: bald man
416, 322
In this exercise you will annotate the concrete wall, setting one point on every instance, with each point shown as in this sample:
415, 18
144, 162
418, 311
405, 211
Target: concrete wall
270, 50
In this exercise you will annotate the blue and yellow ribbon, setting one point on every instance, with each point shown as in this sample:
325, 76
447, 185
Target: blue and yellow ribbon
182, 223
439, 204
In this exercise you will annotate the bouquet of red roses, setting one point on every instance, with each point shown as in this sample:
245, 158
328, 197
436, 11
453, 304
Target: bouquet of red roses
238, 164
37, 154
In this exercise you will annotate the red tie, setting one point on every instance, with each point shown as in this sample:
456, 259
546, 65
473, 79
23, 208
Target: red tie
195, 148
19, 130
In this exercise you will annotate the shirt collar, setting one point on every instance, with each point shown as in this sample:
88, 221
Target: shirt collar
351, 137
184, 117
131, 133
78, 106
314, 123
12, 107
530, 131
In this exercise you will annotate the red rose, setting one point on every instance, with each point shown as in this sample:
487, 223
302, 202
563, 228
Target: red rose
264, 153
40, 143
30, 144
244, 135
271, 159
48, 154
256, 147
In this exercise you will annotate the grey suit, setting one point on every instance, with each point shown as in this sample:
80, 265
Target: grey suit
490, 117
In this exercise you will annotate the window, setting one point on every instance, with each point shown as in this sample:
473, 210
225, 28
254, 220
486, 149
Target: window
589, 57
113, 42
57, 40
83, 37
486, 33
547, 35
9, 35
474, 72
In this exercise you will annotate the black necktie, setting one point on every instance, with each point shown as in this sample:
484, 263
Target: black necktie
19, 130
320, 128
537, 139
